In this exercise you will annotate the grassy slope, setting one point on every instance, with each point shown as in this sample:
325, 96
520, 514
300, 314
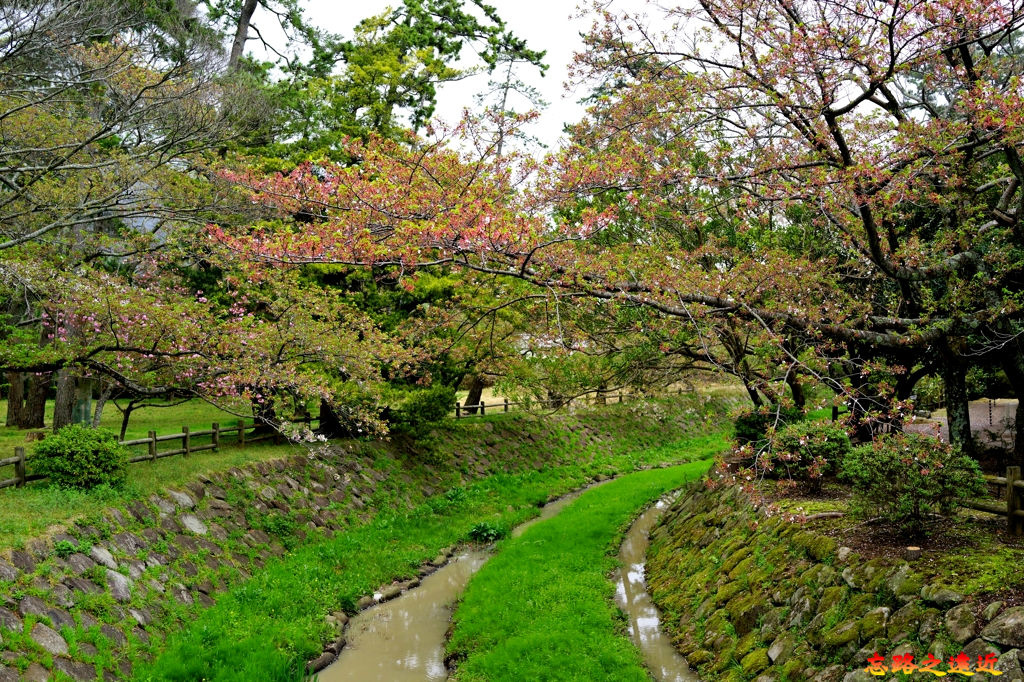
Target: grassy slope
266, 628
542, 608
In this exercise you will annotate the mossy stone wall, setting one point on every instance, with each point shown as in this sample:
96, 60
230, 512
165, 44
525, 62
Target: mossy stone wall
748, 596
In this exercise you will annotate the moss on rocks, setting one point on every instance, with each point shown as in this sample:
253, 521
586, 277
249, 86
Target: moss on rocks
755, 661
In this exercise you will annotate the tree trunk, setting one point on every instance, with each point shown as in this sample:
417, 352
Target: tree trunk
106, 389
126, 415
752, 392
64, 402
797, 389
476, 392
1013, 365
330, 423
241, 33
954, 376
15, 398
34, 414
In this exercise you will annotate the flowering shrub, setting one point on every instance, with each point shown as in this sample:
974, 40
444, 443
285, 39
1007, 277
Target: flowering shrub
809, 450
752, 426
902, 477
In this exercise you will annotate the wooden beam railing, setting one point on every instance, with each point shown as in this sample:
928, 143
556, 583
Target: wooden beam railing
186, 442
1012, 487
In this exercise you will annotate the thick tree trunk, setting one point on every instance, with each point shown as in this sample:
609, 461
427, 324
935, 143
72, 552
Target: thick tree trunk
34, 414
64, 402
241, 33
476, 392
15, 398
954, 375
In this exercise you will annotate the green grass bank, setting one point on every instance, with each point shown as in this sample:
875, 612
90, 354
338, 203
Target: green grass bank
542, 608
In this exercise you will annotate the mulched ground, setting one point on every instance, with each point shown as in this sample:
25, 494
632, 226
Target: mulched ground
961, 535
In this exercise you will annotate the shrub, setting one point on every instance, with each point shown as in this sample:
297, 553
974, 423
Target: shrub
902, 477
82, 458
807, 451
487, 531
752, 425
423, 407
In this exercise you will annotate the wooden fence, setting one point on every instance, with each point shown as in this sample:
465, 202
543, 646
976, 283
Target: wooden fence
216, 434
480, 410
1012, 489
152, 443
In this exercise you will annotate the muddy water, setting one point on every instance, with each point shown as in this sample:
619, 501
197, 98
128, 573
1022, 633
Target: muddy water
661, 658
403, 639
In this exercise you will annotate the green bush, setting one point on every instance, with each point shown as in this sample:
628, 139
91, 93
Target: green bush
807, 451
487, 531
902, 477
82, 458
423, 407
752, 425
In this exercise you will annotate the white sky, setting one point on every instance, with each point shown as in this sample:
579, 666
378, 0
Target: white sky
550, 25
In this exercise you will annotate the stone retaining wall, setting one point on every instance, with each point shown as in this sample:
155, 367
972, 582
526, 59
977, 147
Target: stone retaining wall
751, 597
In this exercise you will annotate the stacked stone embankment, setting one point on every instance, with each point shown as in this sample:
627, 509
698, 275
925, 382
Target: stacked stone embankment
748, 596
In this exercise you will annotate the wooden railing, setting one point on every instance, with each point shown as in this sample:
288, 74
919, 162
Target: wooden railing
152, 443
503, 405
1012, 488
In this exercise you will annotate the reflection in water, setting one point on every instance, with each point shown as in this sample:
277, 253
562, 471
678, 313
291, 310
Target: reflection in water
662, 659
403, 639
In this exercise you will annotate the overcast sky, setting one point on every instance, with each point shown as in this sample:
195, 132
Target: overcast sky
550, 25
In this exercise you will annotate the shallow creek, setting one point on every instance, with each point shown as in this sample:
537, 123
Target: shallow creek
403, 639
664, 662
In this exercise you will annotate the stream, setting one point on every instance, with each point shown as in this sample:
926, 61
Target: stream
402, 640
662, 660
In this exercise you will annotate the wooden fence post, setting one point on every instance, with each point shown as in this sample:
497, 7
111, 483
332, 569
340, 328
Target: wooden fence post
1014, 524
19, 466
483, 405
216, 435
152, 446
506, 404
458, 410
186, 440
241, 432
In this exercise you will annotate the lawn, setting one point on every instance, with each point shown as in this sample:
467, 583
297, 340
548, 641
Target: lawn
542, 608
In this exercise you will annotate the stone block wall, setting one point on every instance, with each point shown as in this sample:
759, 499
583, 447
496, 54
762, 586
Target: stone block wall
752, 597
